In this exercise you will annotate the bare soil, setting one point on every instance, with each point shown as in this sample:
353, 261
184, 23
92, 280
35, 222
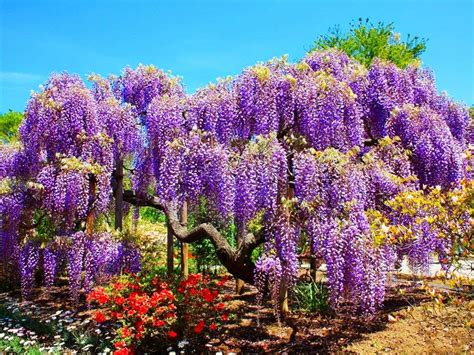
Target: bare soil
411, 322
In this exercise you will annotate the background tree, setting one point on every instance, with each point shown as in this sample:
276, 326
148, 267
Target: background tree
365, 41
9, 123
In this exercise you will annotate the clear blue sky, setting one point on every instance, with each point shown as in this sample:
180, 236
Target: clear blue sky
203, 40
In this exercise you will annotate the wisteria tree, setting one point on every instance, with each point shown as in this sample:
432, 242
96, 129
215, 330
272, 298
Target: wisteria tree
314, 153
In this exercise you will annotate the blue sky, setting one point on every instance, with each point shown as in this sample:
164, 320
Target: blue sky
203, 40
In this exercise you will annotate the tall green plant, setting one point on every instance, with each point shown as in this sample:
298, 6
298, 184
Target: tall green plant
311, 296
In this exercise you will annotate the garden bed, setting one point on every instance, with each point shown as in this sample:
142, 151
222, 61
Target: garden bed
411, 321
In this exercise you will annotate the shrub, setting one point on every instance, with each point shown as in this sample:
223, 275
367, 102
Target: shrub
148, 308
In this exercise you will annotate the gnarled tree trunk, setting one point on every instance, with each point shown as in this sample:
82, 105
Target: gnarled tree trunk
118, 194
184, 246
237, 261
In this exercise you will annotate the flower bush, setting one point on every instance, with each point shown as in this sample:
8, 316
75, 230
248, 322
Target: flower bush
145, 308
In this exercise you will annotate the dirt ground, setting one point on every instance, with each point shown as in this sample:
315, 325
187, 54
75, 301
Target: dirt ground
424, 329
411, 322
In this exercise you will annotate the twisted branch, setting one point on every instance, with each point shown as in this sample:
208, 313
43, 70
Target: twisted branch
237, 262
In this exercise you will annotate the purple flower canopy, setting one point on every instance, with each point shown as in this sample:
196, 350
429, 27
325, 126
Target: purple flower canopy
298, 148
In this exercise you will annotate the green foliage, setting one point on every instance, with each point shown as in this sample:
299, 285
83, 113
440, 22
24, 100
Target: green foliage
257, 253
152, 215
9, 123
311, 297
45, 227
204, 256
365, 41
25, 321
204, 259
13, 344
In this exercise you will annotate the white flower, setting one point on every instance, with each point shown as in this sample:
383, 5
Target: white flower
183, 343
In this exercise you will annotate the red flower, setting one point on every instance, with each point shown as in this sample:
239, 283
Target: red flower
213, 326
120, 344
123, 351
138, 335
172, 334
169, 315
139, 324
98, 295
118, 286
159, 323
133, 296
207, 295
199, 327
225, 316
119, 300
142, 309
125, 333
99, 317
220, 306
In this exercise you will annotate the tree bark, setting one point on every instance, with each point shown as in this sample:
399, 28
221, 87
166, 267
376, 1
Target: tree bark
314, 264
283, 299
119, 194
238, 262
239, 286
169, 251
90, 219
184, 246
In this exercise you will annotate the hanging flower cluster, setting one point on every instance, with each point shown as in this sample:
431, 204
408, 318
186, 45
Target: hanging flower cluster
87, 261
